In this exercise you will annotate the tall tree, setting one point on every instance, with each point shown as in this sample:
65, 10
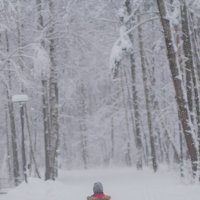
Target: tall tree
45, 96
183, 112
82, 121
53, 94
189, 46
147, 99
128, 25
187, 49
14, 145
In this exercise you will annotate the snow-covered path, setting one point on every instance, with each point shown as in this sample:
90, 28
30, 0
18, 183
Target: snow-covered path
131, 185
121, 184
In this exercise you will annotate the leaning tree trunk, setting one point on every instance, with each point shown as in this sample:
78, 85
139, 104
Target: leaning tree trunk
184, 115
195, 79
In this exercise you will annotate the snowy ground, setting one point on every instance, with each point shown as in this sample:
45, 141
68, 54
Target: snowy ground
121, 184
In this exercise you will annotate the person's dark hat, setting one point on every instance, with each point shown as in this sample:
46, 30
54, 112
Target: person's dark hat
98, 187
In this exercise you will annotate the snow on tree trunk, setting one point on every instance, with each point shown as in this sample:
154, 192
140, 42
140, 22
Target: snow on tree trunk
188, 64
124, 45
45, 97
135, 96
14, 145
147, 99
184, 114
13, 141
8, 146
128, 138
53, 100
46, 129
194, 54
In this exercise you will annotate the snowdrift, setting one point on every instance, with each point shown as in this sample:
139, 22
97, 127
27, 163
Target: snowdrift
120, 184
37, 189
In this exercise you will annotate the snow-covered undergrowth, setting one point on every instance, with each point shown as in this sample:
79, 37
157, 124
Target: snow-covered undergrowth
121, 184
37, 189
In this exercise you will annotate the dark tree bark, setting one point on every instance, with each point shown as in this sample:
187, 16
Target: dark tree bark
188, 64
46, 128
14, 145
196, 62
53, 97
184, 115
23, 150
45, 102
9, 155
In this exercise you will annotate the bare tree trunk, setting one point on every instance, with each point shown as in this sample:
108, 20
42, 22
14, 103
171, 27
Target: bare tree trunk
45, 102
14, 145
82, 123
195, 82
138, 138
23, 150
197, 52
192, 90
184, 115
20, 38
83, 128
187, 50
54, 137
40, 17
84, 148
112, 139
154, 114
14, 140
147, 100
50, 100
32, 154
46, 129
181, 152
166, 133
128, 151
10, 167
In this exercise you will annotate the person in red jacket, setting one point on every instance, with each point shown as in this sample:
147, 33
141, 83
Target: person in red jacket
98, 193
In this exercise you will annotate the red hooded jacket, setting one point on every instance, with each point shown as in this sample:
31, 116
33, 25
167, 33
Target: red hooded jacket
99, 196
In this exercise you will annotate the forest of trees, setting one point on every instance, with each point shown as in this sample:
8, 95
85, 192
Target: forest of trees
99, 83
